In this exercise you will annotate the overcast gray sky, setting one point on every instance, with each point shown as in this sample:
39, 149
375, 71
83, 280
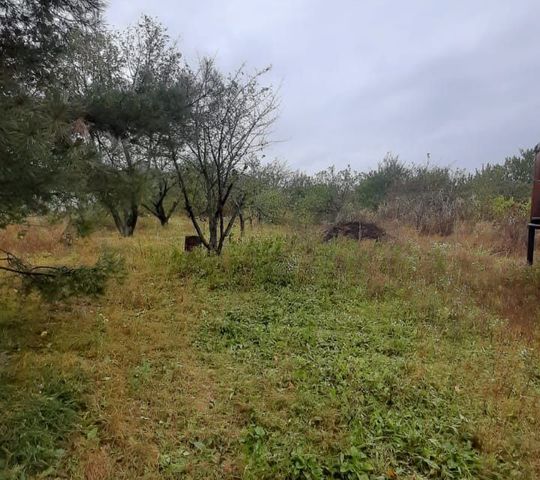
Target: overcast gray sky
457, 78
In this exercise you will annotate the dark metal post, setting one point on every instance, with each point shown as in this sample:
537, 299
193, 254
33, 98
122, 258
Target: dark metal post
530, 244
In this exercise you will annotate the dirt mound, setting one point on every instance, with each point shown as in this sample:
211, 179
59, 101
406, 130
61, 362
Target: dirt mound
354, 230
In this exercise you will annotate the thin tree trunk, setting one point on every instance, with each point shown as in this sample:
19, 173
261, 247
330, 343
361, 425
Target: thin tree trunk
132, 215
158, 211
157, 205
117, 219
228, 229
189, 207
242, 223
213, 231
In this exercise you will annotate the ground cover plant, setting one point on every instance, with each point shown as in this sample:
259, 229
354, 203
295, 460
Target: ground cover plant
284, 357
408, 352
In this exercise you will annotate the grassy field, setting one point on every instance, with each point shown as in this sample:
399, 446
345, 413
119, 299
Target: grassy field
412, 358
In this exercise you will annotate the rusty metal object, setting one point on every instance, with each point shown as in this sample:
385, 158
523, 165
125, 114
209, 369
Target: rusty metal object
535, 200
534, 224
191, 242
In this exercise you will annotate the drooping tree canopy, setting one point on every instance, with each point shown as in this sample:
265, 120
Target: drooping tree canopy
36, 137
131, 89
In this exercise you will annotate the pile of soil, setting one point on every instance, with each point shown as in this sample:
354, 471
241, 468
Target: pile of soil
354, 230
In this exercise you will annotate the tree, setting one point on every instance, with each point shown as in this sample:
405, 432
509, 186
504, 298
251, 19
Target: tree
265, 196
39, 142
512, 179
36, 125
162, 184
339, 190
33, 36
228, 127
431, 198
36, 150
131, 88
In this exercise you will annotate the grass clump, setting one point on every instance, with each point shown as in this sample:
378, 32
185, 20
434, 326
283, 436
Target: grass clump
36, 425
262, 262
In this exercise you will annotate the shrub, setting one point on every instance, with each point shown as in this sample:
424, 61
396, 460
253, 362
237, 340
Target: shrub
510, 218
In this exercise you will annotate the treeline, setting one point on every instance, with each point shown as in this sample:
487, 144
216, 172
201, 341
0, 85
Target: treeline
431, 198
118, 122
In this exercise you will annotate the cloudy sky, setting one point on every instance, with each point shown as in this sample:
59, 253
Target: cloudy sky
459, 79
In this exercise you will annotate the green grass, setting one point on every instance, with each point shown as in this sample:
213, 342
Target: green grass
37, 422
361, 403
353, 411
283, 359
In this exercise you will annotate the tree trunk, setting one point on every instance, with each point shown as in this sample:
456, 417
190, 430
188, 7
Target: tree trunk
225, 234
158, 210
242, 223
126, 223
213, 231
132, 215
157, 205
161, 214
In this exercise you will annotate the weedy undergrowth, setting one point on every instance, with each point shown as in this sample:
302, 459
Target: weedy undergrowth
37, 422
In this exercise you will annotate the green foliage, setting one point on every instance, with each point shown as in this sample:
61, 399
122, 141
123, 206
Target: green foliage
264, 263
36, 145
60, 283
269, 205
36, 153
315, 204
336, 336
512, 179
35, 427
263, 186
128, 113
430, 198
332, 195
146, 111
375, 186
88, 219
503, 206
510, 217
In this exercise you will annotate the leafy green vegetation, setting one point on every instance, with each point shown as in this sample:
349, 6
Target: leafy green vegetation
309, 324
37, 422
284, 358
265, 353
60, 283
